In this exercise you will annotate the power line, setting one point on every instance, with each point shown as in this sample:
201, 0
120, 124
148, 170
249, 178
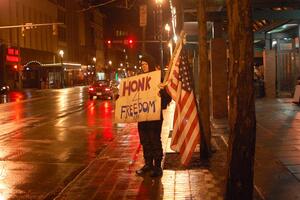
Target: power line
127, 6
98, 5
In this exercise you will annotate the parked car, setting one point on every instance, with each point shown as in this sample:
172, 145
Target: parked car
4, 89
101, 89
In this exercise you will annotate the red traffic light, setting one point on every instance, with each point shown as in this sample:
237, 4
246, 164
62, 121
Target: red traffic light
15, 67
108, 41
130, 41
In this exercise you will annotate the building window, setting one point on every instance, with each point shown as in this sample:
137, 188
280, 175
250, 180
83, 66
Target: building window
93, 36
91, 16
120, 33
61, 16
62, 3
62, 35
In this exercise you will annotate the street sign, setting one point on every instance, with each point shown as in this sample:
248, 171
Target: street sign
143, 15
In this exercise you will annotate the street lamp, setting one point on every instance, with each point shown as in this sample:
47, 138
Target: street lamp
94, 60
61, 53
159, 7
168, 29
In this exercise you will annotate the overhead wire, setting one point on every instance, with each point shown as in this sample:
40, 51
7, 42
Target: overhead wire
109, 2
98, 5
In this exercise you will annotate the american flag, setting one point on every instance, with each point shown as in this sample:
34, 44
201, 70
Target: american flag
186, 129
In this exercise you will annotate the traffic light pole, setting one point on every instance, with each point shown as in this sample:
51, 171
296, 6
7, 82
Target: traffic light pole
160, 41
30, 25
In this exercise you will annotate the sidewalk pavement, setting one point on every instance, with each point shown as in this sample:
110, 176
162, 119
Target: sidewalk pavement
277, 167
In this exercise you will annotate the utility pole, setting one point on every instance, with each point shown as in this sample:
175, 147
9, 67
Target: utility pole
160, 29
143, 24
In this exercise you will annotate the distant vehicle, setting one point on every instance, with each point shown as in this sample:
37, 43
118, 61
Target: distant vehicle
4, 89
101, 89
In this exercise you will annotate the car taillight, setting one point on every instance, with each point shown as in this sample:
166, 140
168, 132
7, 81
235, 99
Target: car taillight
91, 89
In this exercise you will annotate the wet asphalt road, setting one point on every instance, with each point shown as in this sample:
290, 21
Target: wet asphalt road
47, 137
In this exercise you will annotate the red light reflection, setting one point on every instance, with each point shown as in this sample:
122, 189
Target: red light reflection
100, 121
16, 96
91, 114
106, 114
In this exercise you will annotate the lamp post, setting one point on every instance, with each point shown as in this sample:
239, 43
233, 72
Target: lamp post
61, 54
94, 74
170, 45
168, 29
159, 7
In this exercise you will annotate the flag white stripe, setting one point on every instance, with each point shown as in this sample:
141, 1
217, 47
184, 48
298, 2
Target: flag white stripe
180, 138
188, 103
186, 129
190, 144
175, 133
178, 119
189, 151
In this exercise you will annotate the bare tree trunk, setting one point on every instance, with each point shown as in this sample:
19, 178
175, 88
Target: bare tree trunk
242, 122
205, 147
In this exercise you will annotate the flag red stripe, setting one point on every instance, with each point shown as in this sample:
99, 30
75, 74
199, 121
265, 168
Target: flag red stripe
188, 135
185, 116
176, 132
189, 127
184, 99
185, 160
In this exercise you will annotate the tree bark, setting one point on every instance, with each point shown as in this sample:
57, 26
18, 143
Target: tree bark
242, 122
205, 146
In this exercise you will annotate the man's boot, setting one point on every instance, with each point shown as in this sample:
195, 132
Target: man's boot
157, 170
146, 168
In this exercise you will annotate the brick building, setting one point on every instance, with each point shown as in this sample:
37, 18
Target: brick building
78, 37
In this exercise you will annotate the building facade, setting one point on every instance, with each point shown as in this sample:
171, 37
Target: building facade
50, 54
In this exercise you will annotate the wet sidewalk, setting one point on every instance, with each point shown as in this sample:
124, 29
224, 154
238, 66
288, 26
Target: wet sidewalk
112, 174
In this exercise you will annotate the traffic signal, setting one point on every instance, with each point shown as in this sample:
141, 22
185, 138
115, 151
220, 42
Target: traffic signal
15, 67
108, 42
129, 42
23, 31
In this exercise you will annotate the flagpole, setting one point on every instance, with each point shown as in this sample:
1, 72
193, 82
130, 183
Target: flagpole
174, 57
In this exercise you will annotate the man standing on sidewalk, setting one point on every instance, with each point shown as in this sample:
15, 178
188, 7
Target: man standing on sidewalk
150, 131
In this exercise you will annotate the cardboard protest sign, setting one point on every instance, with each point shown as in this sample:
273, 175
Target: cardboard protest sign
139, 99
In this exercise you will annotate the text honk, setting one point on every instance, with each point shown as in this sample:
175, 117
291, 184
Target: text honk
131, 86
